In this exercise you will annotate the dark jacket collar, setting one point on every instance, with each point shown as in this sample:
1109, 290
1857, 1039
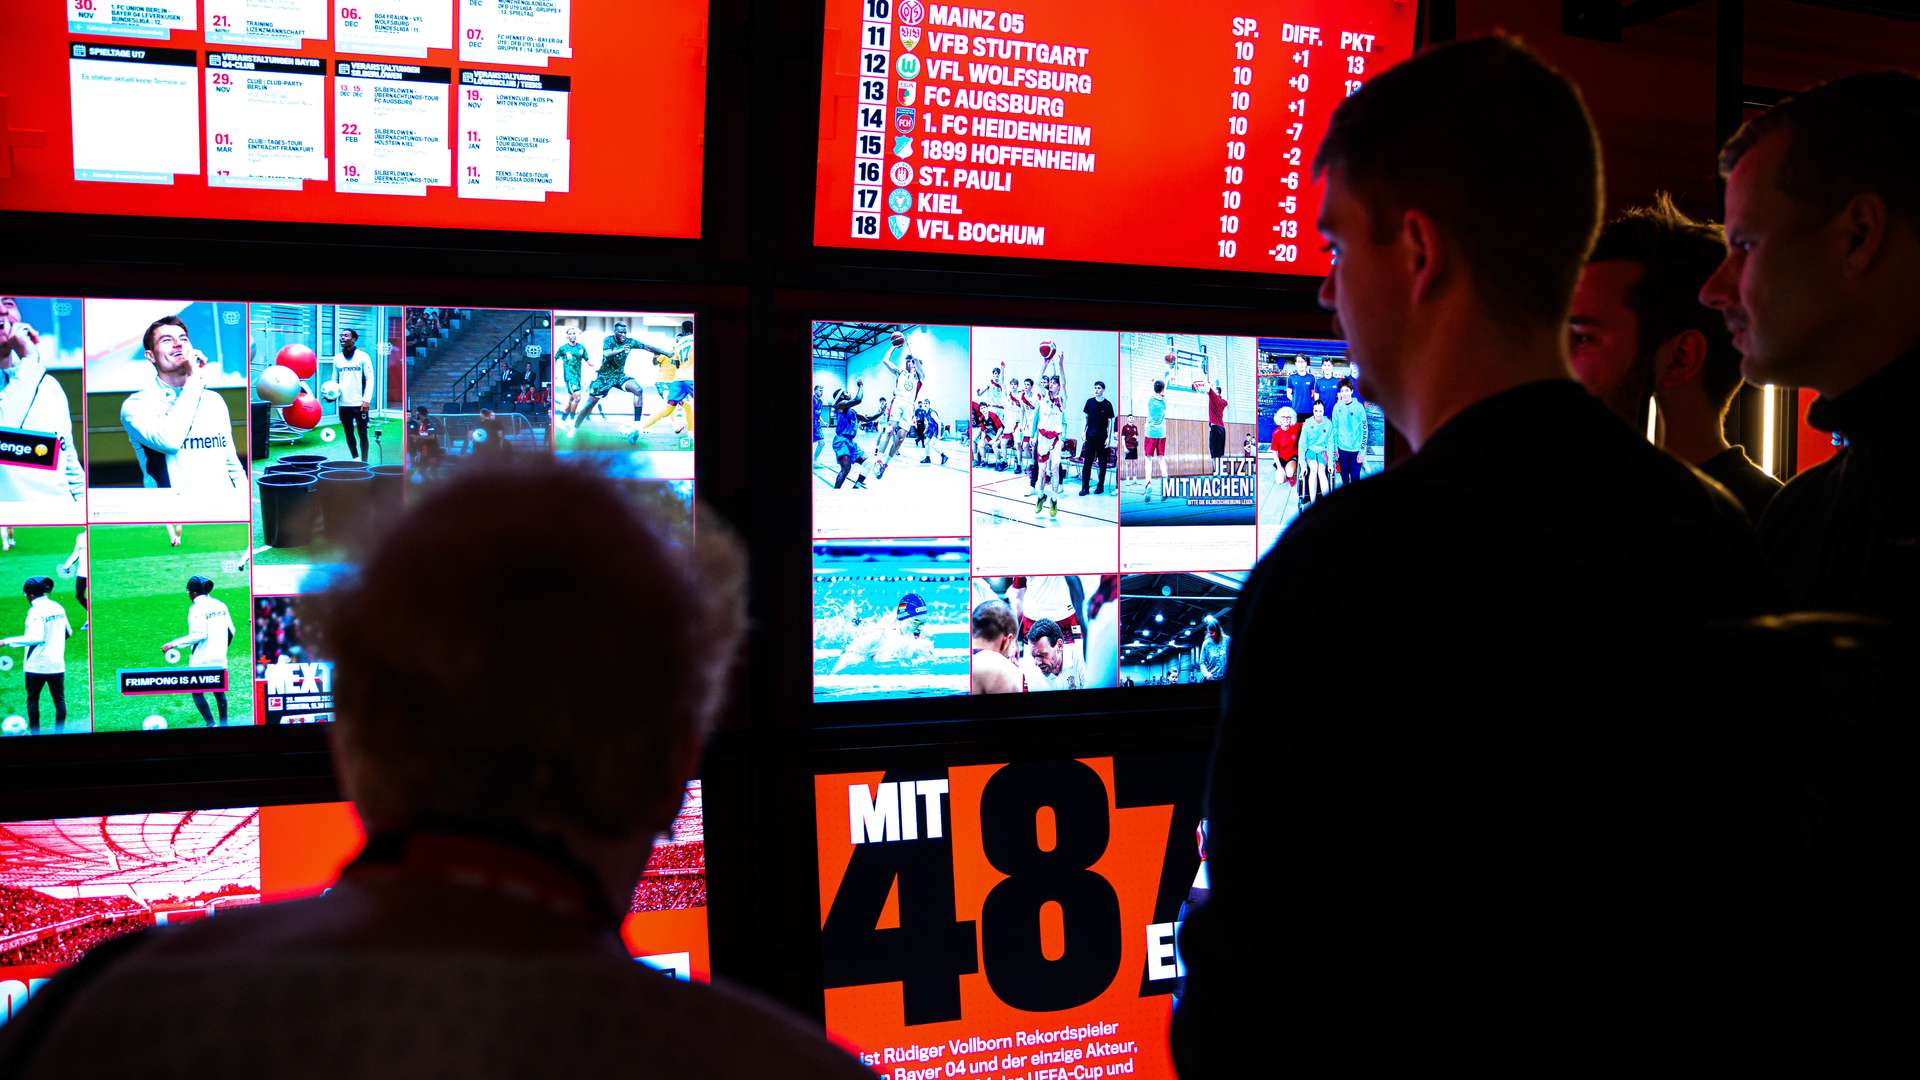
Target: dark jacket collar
1879, 409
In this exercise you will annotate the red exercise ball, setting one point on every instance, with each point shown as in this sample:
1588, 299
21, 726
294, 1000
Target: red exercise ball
299, 359
304, 413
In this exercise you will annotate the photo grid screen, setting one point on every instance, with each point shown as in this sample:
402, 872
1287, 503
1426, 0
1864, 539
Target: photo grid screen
557, 116
175, 476
68, 884
1030, 130
1008, 510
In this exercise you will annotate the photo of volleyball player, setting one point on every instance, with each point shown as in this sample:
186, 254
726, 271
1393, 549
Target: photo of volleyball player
1190, 500
167, 403
1029, 634
889, 619
626, 384
43, 477
44, 664
1032, 507
884, 386
1177, 628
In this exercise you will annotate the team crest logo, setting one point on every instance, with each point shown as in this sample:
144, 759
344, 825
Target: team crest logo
911, 12
901, 174
910, 37
897, 223
899, 200
908, 92
903, 146
903, 121
908, 66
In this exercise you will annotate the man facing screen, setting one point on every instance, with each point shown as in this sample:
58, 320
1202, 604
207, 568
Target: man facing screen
1464, 846
508, 814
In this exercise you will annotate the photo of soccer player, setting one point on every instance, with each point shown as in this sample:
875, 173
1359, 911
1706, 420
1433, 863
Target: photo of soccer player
1191, 499
68, 884
625, 384
1317, 432
1177, 628
326, 419
1032, 506
478, 383
1030, 634
896, 402
889, 619
43, 653
168, 649
166, 385
43, 477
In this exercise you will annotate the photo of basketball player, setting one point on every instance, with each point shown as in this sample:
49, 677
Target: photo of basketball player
1029, 634
889, 619
881, 385
1177, 628
1192, 399
166, 406
634, 401
43, 477
1032, 509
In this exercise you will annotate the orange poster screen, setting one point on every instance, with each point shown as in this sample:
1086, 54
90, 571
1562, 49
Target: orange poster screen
1010, 921
1147, 132
565, 116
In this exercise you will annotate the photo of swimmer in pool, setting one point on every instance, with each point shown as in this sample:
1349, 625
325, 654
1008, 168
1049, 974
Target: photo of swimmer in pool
889, 619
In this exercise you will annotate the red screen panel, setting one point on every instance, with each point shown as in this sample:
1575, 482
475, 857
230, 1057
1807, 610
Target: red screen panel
568, 116
1143, 132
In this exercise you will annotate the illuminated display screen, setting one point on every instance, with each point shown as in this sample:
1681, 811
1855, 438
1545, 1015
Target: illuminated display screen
1152, 133
1009, 920
69, 884
1007, 510
176, 475
567, 116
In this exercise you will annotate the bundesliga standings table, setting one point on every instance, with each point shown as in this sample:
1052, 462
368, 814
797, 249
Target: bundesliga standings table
1146, 132
540, 115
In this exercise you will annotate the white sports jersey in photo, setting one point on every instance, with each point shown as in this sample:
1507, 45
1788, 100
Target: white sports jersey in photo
1073, 672
1046, 598
33, 400
183, 438
355, 377
209, 630
1052, 417
45, 637
994, 396
80, 556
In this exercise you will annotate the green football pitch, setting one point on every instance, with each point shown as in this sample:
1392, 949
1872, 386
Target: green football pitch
599, 435
139, 590
387, 452
39, 551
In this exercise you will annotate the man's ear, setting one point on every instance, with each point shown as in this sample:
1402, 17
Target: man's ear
1422, 253
1680, 360
1863, 228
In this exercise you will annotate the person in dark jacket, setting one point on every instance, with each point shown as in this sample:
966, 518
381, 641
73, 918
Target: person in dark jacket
1638, 333
1498, 840
1819, 286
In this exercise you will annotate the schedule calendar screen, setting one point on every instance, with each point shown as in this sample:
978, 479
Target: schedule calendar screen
1148, 132
535, 115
